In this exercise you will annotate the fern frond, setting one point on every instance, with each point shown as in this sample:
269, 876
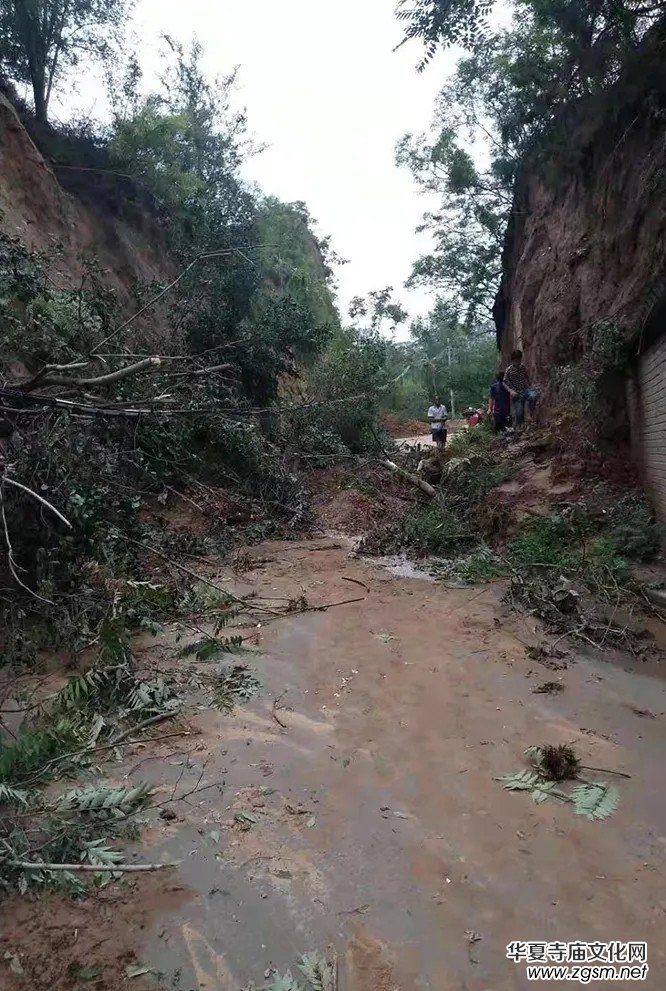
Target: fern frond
234, 685
318, 971
96, 800
96, 852
283, 982
521, 780
211, 650
12, 796
595, 801
534, 756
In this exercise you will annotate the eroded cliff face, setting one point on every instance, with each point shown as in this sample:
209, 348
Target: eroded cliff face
81, 215
587, 240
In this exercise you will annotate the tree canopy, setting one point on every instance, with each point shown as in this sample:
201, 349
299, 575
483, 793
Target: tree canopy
42, 40
502, 103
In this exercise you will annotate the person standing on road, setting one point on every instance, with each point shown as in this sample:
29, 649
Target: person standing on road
437, 416
500, 404
517, 384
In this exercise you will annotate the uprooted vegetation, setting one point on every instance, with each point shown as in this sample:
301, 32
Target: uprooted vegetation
48, 838
566, 541
549, 767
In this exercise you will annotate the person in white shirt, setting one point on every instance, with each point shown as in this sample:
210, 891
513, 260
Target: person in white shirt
437, 416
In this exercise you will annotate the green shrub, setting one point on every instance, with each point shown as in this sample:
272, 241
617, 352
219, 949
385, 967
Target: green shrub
544, 541
634, 532
431, 530
480, 566
465, 441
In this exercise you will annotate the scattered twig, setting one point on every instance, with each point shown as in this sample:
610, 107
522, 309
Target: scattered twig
605, 770
276, 704
199, 578
356, 581
6, 479
94, 868
331, 605
152, 721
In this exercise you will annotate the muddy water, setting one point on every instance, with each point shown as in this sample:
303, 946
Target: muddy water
380, 829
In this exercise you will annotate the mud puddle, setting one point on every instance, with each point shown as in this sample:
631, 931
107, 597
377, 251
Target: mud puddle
353, 804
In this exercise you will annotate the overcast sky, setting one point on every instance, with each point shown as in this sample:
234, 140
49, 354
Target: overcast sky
324, 88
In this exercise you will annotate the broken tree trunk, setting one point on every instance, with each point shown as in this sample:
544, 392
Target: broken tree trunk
413, 479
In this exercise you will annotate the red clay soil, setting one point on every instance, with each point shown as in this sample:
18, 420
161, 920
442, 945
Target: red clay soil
355, 503
101, 931
396, 427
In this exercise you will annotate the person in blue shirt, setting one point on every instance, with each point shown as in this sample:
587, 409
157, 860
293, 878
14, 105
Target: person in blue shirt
500, 404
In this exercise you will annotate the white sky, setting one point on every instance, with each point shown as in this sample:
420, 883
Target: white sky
325, 90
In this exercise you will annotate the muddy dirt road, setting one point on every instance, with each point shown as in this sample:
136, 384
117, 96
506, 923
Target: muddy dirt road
375, 822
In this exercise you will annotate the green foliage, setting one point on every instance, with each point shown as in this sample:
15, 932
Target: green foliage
595, 801
592, 800
12, 796
43, 41
318, 971
506, 100
99, 800
33, 748
346, 387
433, 530
284, 982
117, 689
544, 540
634, 532
480, 566
233, 686
212, 648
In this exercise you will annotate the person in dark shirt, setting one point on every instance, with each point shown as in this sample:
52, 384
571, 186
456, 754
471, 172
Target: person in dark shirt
500, 404
517, 384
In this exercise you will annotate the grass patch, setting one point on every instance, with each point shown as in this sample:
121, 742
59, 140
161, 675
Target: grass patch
544, 541
465, 441
477, 568
433, 530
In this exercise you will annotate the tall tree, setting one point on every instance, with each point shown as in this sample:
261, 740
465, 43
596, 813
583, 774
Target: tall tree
40, 40
503, 102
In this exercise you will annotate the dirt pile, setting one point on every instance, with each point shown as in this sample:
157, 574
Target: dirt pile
396, 427
355, 501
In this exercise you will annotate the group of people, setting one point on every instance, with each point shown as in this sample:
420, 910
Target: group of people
511, 396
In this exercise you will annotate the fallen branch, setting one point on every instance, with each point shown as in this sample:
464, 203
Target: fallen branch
105, 746
331, 605
199, 578
111, 377
201, 371
156, 299
11, 560
275, 715
24, 488
408, 477
25, 865
356, 581
151, 721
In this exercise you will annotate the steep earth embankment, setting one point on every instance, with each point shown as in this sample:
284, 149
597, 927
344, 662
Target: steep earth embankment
82, 215
587, 238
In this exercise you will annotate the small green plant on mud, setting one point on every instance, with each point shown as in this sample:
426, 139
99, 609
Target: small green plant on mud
480, 566
544, 541
433, 530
